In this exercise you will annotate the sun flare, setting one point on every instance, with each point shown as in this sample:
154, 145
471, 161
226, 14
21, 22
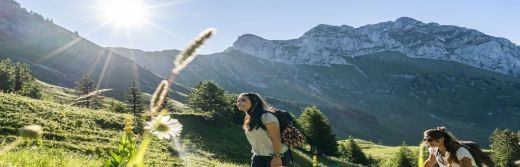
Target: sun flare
124, 12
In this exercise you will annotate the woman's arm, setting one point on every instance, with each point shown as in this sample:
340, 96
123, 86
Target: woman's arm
274, 132
432, 160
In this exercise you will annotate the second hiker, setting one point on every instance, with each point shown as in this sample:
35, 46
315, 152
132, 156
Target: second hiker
445, 150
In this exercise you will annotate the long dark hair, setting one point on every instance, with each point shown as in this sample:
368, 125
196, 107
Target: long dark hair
253, 118
450, 142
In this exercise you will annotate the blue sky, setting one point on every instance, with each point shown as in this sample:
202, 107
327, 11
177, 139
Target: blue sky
175, 23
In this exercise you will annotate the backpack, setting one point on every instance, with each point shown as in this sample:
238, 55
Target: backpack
482, 159
291, 136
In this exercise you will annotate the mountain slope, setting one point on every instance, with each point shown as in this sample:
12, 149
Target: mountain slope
378, 93
60, 57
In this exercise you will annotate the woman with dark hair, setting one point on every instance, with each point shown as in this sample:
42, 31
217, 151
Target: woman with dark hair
262, 131
445, 150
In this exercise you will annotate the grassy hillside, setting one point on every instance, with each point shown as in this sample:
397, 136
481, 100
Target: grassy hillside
380, 152
89, 134
37, 157
225, 142
82, 137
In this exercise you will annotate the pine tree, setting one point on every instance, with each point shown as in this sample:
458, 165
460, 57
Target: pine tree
23, 77
318, 131
404, 158
16, 77
32, 89
506, 150
84, 86
6, 75
208, 97
18, 81
134, 99
353, 153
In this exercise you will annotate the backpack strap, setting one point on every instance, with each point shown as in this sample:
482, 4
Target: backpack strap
292, 158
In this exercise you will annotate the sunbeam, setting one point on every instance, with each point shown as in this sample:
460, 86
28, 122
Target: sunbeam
66, 46
113, 35
132, 56
156, 27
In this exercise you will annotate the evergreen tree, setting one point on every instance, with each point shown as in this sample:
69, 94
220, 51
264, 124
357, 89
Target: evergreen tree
208, 97
506, 150
117, 107
24, 82
404, 158
84, 86
6, 75
32, 89
230, 106
318, 131
16, 77
353, 153
18, 81
134, 99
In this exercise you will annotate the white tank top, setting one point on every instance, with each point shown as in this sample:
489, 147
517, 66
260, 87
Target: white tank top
461, 153
260, 139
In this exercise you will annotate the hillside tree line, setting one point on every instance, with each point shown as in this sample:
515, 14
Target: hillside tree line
17, 78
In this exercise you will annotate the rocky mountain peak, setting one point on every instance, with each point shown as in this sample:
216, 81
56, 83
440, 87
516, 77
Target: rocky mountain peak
407, 21
327, 44
328, 30
248, 39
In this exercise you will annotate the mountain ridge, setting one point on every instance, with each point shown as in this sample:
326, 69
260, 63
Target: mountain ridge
59, 56
326, 44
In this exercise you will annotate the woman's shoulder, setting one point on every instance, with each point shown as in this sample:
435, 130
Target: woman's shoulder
462, 152
268, 114
462, 149
269, 117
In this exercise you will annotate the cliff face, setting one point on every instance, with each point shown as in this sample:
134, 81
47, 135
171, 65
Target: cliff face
325, 45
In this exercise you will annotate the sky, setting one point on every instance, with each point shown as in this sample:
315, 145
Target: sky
172, 24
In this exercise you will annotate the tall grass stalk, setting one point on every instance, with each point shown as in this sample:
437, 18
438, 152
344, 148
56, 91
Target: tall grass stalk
420, 157
26, 132
161, 92
10, 146
91, 94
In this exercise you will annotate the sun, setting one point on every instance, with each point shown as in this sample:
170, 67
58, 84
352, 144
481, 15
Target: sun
124, 12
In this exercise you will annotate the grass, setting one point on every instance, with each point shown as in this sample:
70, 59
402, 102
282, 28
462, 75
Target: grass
36, 157
76, 136
222, 139
221, 143
380, 152
303, 158
91, 133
